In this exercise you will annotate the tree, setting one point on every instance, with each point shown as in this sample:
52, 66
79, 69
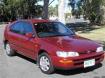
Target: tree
20, 9
45, 9
92, 10
72, 3
53, 11
79, 8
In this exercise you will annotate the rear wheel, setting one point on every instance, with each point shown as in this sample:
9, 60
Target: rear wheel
45, 64
9, 50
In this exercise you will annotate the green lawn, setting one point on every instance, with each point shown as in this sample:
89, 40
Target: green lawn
97, 34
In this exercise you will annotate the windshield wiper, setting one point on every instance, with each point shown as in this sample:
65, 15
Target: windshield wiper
55, 35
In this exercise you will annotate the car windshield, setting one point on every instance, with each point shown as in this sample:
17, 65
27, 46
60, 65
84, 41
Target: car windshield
52, 29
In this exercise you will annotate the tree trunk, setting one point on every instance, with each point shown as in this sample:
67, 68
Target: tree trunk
45, 9
103, 14
61, 11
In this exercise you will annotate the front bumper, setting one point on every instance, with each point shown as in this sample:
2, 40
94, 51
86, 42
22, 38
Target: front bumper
76, 62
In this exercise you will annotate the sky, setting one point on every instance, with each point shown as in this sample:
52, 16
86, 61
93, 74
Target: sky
56, 2
53, 3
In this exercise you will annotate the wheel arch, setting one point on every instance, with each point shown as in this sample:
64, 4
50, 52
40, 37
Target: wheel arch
42, 51
5, 42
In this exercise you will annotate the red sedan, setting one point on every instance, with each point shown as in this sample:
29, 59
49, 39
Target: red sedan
51, 44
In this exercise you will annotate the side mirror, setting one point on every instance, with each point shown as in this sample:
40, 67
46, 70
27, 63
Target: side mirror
29, 35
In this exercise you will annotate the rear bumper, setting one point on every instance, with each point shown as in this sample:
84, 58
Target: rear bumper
77, 62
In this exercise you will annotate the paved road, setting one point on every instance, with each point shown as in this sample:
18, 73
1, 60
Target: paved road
21, 67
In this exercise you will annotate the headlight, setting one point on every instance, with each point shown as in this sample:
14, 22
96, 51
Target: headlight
66, 54
99, 49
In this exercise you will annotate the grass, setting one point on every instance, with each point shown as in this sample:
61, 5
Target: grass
97, 34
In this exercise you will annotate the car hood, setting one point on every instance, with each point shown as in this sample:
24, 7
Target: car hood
72, 43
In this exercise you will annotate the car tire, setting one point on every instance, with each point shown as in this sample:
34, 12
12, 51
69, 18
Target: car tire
45, 64
9, 50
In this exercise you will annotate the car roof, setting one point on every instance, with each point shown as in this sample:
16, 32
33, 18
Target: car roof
35, 20
38, 20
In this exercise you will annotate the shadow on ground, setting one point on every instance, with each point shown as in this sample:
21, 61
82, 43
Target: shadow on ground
25, 58
104, 44
82, 27
78, 71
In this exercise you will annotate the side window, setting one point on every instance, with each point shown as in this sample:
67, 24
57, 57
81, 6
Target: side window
41, 27
17, 28
22, 28
27, 27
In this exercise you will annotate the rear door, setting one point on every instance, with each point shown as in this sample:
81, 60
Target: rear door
19, 41
28, 43
14, 35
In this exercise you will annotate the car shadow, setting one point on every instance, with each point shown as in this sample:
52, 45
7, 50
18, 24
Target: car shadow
66, 72
78, 71
26, 58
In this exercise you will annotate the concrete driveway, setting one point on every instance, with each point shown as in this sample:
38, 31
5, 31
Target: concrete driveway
22, 67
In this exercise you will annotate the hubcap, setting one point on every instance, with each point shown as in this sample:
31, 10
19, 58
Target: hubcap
7, 49
44, 63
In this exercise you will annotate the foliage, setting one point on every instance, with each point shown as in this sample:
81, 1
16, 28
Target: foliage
15, 9
53, 11
90, 9
72, 3
45, 9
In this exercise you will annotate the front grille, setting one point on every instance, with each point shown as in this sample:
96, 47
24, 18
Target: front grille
81, 61
87, 52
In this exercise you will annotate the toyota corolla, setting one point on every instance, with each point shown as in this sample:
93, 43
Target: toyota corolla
51, 44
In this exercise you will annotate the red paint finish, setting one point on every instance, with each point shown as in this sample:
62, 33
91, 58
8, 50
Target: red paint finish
30, 47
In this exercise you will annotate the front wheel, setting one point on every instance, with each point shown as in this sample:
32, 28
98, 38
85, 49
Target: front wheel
45, 64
